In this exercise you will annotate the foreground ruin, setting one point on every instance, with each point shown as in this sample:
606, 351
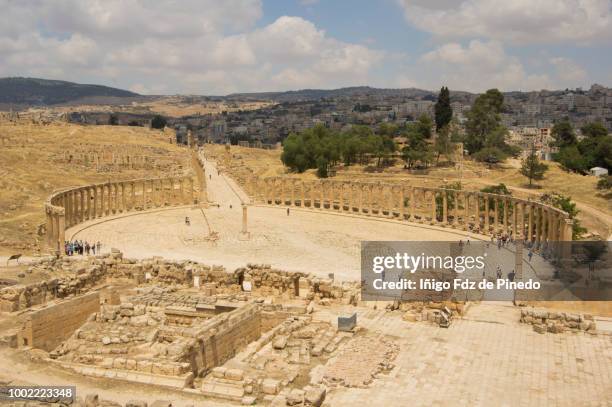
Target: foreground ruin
256, 335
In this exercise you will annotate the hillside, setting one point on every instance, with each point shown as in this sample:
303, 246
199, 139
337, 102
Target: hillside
37, 159
43, 92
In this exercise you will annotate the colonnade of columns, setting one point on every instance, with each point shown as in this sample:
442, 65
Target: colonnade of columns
478, 212
73, 206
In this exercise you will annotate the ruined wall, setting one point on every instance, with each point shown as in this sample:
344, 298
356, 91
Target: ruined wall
47, 328
226, 335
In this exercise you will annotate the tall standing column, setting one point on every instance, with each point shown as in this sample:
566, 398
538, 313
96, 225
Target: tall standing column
505, 219
530, 223
433, 207
302, 195
496, 214
466, 210
370, 199
486, 214
49, 223
61, 231
95, 202
144, 195
402, 208
521, 220
123, 200
109, 195
455, 208
444, 207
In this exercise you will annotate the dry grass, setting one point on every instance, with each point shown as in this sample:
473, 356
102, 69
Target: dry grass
31, 168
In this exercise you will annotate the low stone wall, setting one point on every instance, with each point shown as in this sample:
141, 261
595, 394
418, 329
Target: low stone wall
557, 322
19, 297
47, 328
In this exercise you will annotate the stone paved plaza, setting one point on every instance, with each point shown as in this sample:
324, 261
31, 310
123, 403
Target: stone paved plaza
485, 359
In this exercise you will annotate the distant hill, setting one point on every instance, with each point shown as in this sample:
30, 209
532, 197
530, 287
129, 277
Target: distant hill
317, 94
44, 92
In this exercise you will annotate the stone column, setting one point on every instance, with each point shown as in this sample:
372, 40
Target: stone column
412, 204
521, 220
282, 191
360, 187
444, 207
506, 209
530, 223
466, 211
244, 233
456, 208
192, 191
61, 231
390, 201
434, 217
49, 223
302, 195
402, 210
538, 227
292, 184
486, 210
370, 200
496, 214
321, 195
123, 201
144, 194
95, 202
109, 195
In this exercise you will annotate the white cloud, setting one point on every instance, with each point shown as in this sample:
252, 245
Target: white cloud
516, 21
194, 46
481, 65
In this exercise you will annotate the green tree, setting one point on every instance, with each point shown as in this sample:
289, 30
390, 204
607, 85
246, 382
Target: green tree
532, 168
563, 133
158, 122
113, 120
443, 110
483, 119
594, 130
570, 158
322, 165
566, 204
442, 145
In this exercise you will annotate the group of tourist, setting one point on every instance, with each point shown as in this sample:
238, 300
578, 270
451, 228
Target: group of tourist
79, 247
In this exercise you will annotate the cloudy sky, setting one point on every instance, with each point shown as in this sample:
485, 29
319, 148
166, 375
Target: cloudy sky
224, 46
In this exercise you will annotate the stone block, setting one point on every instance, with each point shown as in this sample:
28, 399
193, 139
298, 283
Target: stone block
315, 396
248, 400
234, 374
270, 386
295, 397
219, 372
280, 342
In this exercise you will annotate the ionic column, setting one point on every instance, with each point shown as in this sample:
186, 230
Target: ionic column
302, 195
402, 202
162, 193
123, 204
95, 202
530, 223
49, 220
538, 226
133, 195
466, 211
505, 220
61, 231
109, 196
412, 203
486, 217
496, 214
282, 191
292, 184
444, 208
342, 201
370, 200
521, 220
361, 193
433, 207
456, 208
322, 195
